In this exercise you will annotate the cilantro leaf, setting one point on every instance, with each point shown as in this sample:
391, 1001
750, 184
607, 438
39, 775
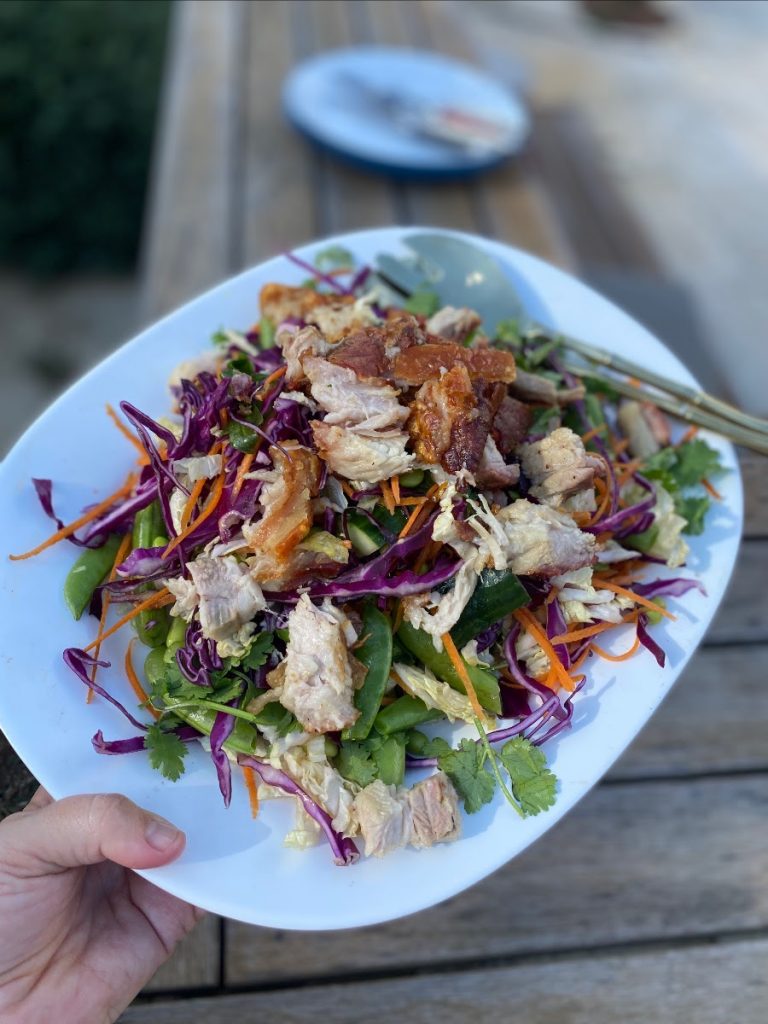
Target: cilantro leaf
220, 338
465, 767
693, 510
259, 651
423, 302
334, 256
533, 784
166, 751
242, 437
696, 461
355, 762
421, 746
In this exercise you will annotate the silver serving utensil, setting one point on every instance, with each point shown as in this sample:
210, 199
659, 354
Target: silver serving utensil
463, 275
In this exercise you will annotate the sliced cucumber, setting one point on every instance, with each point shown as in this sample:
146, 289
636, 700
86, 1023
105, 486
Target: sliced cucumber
364, 535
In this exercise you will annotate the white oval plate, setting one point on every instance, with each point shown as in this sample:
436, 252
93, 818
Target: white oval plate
233, 865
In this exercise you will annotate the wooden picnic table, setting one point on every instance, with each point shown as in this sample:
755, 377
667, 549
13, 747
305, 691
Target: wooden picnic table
651, 898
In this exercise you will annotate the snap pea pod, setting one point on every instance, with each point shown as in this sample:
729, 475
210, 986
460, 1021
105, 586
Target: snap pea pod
404, 713
390, 760
177, 635
152, 625
87, 573
375, 653
484, 681
243, 739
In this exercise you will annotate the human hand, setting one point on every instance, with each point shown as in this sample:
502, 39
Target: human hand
79, 934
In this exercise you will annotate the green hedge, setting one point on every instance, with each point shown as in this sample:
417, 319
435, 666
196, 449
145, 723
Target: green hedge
79, 82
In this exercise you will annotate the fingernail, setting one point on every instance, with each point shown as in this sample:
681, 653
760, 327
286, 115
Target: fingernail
160, 834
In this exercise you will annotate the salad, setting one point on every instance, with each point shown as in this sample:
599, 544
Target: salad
363, 522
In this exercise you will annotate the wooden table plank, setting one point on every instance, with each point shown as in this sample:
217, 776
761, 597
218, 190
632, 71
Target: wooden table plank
754, 470
714, 720
349, 198
595, 879
277, 204
196, 962
743, 616
187, 235
705, 984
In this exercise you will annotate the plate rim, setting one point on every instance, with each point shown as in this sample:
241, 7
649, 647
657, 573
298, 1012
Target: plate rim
392, 235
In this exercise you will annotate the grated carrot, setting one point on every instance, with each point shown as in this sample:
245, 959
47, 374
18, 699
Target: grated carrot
690, 433
621, 446
122, 551
412, 519
593, 433
157, 600
189, 508
136, 686
599, 627
576, 665
627, 469
93, 513
394, 483
386, 494
413, 501
644, 601
551, 595
711, 490
127, 434
461, 671
275, 375
242, 469
253, 793
605, 499
617, 657
213, 501
398, 619
527, 620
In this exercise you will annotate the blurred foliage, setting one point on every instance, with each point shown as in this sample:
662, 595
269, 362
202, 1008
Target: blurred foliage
79, 82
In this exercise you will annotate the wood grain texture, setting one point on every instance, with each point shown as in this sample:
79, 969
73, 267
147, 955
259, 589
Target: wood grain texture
754, 470
631, 862
743, 615
714, 720
707, 984
277, 208
196, 962
187, 235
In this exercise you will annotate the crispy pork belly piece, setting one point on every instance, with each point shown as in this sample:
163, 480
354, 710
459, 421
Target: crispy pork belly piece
559, 466
454, 324
333, 314
542, 541
511, 424
318, 685
390, 818
299, 344
286, 500
531, 388
644, 426
401, 331
364, 352
228, 596
429, 361
434, 811
365, 458
366, 404
493, 472
451, 417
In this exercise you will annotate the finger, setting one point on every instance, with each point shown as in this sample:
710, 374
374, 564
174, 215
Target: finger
40, 799
83, 830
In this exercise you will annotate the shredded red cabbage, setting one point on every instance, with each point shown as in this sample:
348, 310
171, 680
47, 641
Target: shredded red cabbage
134, 744
80, 662
648, 642
344, 850
675, 587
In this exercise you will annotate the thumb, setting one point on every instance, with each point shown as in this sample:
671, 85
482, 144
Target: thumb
82, 830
